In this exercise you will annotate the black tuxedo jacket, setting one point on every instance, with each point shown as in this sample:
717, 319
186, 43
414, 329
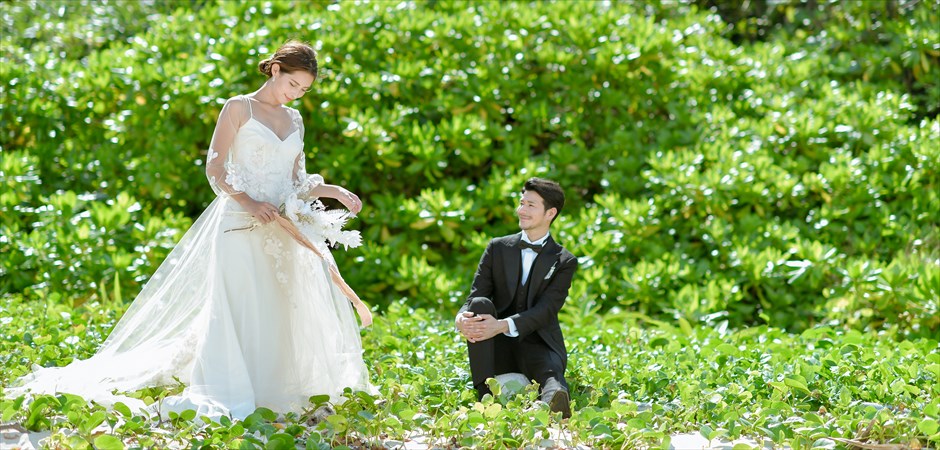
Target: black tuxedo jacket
499, 274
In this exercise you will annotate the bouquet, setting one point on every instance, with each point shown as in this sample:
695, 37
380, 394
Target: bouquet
319, 224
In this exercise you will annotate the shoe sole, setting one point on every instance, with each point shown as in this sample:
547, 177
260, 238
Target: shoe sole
560, 403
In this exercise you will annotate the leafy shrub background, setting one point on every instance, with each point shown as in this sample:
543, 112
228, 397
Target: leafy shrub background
777, 162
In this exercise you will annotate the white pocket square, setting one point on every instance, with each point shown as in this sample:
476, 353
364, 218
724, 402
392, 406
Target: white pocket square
551, 271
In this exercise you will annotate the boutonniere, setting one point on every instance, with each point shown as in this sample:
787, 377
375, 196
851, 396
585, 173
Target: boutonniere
551, 271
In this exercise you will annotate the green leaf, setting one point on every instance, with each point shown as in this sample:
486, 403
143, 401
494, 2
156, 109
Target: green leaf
338, 422
92, 421
601, 430
706, 431
727, 349
117, 297
266, 414
406, 414
796, 384
188, 415
123, 409
280, 441
659, 342
108, 442
928, 426
685, 326
933, 408
318, 400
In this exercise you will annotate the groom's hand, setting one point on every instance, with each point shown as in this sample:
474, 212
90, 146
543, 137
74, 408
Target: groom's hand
482, 327
466, 325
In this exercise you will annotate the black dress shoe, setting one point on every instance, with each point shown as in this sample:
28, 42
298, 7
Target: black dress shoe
560, 403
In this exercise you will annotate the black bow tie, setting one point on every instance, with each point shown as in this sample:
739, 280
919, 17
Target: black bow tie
525, 245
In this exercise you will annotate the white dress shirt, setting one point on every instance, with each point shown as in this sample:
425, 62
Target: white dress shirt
528, 257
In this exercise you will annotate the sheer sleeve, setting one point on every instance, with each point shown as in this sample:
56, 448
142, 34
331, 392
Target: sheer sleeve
303, 182
234, 114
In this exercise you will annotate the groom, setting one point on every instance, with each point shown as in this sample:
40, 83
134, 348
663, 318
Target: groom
510, 319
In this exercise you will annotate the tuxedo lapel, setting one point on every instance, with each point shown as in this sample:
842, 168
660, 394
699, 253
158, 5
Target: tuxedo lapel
512, 263
541, 266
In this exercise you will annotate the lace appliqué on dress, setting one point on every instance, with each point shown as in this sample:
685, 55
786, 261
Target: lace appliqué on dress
236, 175
211, 156
275, 247
305, 184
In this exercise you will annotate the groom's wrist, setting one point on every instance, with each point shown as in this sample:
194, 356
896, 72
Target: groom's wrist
510, 327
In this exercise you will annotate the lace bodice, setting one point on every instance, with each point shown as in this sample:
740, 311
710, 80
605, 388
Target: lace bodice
247, 156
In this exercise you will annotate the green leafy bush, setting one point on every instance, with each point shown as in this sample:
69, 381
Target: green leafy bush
779, 163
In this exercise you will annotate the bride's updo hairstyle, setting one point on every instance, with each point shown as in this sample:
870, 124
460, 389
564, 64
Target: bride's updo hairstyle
291, 57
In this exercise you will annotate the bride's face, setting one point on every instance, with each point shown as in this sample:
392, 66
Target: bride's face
289, 86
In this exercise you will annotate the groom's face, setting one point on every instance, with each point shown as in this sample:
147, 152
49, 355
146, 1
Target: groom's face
531, 212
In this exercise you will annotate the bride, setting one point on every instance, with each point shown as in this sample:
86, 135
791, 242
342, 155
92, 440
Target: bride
239, 312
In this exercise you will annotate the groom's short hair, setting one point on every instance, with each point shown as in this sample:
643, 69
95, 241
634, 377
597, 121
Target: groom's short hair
552, 194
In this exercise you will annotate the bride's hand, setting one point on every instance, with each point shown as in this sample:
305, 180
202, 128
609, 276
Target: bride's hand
263, 211
348, 199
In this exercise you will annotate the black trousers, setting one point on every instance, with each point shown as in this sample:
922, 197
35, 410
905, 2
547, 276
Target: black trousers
529, 355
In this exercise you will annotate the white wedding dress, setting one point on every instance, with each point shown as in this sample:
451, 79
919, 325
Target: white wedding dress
239, 312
